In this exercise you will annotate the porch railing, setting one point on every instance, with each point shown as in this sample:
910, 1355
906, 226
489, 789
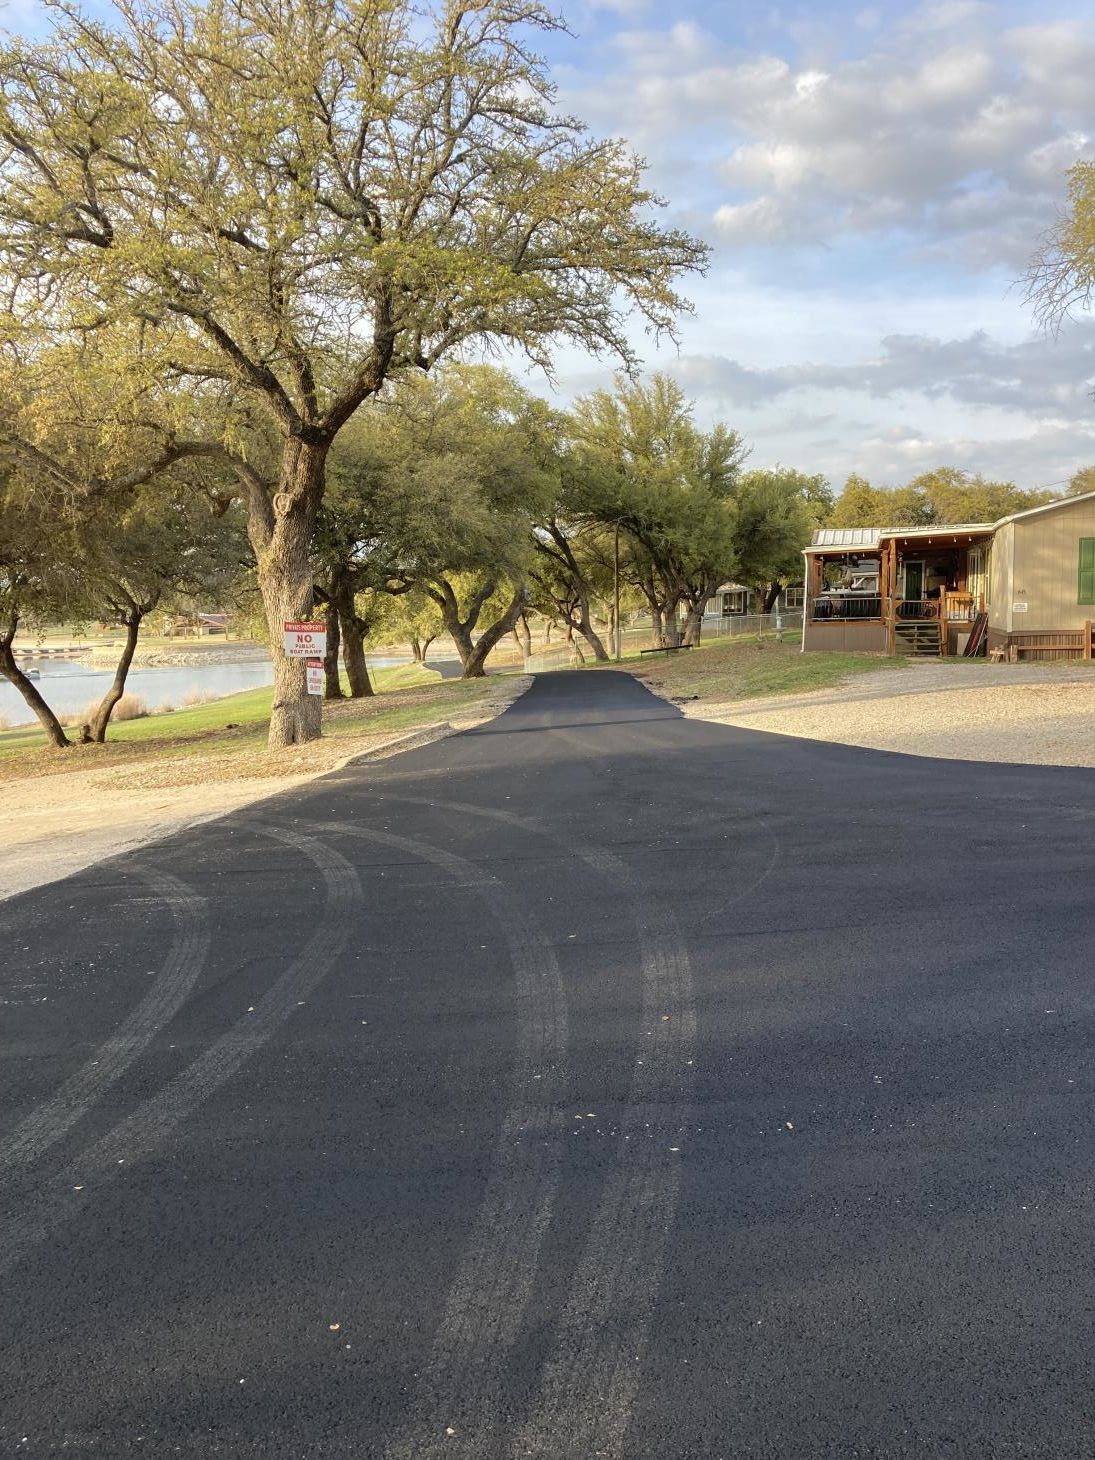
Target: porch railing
843, 606
916, 610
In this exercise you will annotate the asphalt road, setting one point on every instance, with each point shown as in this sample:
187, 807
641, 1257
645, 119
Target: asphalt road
595, 1083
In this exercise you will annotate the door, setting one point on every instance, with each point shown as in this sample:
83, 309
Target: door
914, 581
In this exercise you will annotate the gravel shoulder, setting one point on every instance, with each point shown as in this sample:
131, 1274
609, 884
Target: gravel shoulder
1025, 714
55, 825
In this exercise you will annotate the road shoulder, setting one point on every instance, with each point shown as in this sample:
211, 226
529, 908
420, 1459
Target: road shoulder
55, 826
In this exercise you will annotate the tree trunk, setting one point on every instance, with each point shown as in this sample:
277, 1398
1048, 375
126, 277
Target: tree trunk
693, 624
575, 647
523, 634
281, 535
475, 664
590, 634
96, 730
656, 625
353, 657
771, 597
353, 639
418, 650
332, 684
14, 675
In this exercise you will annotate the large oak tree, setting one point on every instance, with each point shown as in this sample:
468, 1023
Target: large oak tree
295, 201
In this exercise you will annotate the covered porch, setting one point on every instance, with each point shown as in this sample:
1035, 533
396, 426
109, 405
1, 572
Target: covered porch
914, 591
934, 585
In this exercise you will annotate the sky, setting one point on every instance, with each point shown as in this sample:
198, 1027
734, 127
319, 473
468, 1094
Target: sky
873, 180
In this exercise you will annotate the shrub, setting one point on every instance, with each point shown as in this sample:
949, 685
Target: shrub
129, 707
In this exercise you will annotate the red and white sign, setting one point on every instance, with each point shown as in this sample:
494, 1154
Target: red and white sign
313, 674
306, 640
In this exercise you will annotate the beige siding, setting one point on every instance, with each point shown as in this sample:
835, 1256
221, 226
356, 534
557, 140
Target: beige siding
1000, 578
846, 636
1045, 563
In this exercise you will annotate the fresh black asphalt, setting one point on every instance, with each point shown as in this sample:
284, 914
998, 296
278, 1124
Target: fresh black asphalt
595, 1083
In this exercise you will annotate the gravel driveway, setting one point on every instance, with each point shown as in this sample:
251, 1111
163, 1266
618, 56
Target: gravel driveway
1031, 714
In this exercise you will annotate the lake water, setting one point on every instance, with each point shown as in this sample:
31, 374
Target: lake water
70, 687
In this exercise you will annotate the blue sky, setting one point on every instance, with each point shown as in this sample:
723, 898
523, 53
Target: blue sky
873, 178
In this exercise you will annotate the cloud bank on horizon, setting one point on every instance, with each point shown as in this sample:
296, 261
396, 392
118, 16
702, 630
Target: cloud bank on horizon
874, 180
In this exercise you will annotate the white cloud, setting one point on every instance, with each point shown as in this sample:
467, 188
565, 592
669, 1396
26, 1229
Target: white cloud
1035, 379
952, 131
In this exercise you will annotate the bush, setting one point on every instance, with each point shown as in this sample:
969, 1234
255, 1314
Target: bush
129, 707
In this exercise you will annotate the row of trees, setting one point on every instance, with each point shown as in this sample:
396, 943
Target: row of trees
461, 504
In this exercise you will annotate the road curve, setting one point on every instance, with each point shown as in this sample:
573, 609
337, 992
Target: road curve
594, 1083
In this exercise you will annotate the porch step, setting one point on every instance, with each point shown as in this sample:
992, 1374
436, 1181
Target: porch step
918, 638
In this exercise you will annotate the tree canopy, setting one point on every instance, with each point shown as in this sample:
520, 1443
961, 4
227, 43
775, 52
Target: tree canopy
276, 208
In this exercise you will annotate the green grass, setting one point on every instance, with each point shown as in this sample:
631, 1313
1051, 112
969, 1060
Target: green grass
423, 697
731, 669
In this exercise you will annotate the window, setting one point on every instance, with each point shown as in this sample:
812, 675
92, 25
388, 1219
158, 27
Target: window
734, 602
794, 595
1086, 575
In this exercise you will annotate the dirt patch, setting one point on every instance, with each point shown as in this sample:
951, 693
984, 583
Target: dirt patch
1028, 714
58, 824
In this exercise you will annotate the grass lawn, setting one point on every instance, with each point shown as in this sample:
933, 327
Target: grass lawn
738, 669
226, 737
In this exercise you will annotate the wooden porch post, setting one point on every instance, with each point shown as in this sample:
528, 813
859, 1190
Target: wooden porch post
891, 597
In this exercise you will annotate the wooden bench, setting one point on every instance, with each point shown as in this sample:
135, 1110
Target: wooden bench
666, 649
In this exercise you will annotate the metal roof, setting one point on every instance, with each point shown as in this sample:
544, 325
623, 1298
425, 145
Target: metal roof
844, 539
849, 537
837, 539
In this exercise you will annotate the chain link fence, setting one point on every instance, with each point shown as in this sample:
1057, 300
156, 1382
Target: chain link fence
640, 636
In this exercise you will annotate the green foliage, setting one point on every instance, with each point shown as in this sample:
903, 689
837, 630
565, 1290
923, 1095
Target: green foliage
644, 462
442, 477
945, 495
777, 509
300, 200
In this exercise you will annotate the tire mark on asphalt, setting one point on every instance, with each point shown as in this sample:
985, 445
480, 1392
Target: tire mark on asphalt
592, 1373
137, 1135
46, 1125
487, 1299
591, 1376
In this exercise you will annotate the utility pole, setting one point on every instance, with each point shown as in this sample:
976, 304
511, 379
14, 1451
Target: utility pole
616, 589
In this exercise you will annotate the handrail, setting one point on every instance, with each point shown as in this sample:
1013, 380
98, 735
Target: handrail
912, 610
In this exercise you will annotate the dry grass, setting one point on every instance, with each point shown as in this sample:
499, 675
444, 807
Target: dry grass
737, 669
225, 739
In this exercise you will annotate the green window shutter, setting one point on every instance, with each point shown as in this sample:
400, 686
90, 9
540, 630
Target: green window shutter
1087, 571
